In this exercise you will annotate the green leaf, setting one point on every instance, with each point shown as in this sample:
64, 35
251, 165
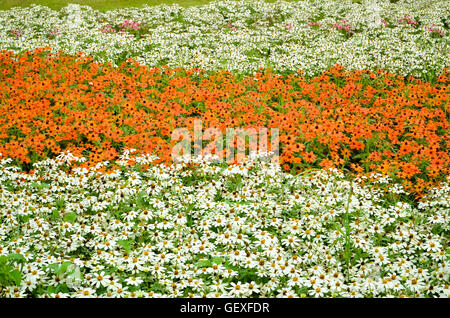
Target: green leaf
52, 290
70, 217
16, 276
359, 156
65, 266
55, 267
126, 244
63, 288
55, 215
16, 257
205, 263
40, 185
217, 260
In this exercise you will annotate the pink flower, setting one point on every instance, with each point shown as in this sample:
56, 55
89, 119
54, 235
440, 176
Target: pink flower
312, 23
130, 25
408, 20
343, 25
287, 25
434, 30
54, 32
17, 33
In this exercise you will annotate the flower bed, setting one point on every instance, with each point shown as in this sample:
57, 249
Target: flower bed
406, 37
92, 106
199, 229
359, 121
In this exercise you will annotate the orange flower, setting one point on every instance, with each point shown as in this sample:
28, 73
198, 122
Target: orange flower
379, 121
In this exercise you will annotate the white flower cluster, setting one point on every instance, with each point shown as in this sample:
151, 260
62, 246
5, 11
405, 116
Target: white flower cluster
193, 230
243, 36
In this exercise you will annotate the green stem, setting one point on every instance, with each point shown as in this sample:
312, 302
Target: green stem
347, 231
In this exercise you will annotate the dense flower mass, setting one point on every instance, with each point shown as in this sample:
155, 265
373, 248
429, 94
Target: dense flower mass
360, 121
405, 37
355, 204
200, 229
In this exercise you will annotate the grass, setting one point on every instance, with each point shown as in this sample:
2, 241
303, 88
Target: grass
96, 4
102, 5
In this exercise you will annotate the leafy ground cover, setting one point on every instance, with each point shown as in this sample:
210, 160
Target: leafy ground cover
96, 4
102, 5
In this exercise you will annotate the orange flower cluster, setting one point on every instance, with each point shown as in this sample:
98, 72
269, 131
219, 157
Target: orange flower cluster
360, 121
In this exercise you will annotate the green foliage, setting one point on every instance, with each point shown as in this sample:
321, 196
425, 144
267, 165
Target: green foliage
70, 217
98, 4
9, 274
103, 5
126, 244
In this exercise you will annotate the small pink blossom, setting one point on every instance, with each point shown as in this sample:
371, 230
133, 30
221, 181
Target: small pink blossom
434, 30
287, 26
408, 20
312, 23
17, 33
130, 25
343, 25
54, 32
107, 28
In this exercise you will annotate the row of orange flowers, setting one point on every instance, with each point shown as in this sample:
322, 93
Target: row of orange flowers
360, 121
